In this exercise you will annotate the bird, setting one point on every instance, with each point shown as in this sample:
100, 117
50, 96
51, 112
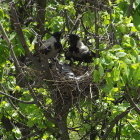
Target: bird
78, 51
52, 46
49, 49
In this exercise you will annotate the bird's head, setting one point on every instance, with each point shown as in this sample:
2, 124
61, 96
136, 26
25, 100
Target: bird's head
73, 38
88, 56
57, 35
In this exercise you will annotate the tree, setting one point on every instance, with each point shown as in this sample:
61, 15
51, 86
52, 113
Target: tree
42, 103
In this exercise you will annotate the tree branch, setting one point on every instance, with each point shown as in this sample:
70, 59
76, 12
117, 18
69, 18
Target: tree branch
40, 19
113, 122
17, 65
17, 109
96, 29
47, 114
18, 29
129, 10
25, 102
41, 5
132, 103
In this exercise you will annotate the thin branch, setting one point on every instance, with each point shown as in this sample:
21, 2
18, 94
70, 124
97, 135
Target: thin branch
96, 29
115, 120
39, 104
129, 10
75, 23
18, 29
73, 27
85, 29
112, 32
118, 130
14, 106
39, 132
31, 135
17, 65
25, 102
17, 109
137, 130
132, 103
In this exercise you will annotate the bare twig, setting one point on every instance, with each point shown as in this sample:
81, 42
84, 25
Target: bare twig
137, 130
115, 120
76, 22
17, 109
132, 103
17, 65
25, 102
85, 29
39, 132
39, 104
96, 30
32, 135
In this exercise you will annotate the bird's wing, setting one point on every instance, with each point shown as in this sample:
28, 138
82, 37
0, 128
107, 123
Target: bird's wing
46, 45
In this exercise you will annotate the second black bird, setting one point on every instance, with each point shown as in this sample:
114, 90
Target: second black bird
78, 51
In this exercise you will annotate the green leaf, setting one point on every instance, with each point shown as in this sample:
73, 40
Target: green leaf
12, 36
101, 70
17, 132
96, 76
1, 13
108, 88
30, 123
138, 58
136, 20
121, 54
136, 75
135, 66
116, 74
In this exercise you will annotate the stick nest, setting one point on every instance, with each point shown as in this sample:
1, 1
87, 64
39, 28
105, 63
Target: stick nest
80, 85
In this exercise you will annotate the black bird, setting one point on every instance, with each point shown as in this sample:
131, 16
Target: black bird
52, 46
78, 51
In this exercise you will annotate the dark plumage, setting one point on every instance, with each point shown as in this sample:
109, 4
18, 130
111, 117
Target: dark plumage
78, 51
52, 46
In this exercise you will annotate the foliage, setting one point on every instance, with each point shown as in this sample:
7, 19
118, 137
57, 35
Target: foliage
111, 29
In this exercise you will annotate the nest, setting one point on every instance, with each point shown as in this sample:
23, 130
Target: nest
70, 83
80, 85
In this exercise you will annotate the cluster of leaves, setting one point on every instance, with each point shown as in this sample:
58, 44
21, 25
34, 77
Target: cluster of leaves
111, 30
